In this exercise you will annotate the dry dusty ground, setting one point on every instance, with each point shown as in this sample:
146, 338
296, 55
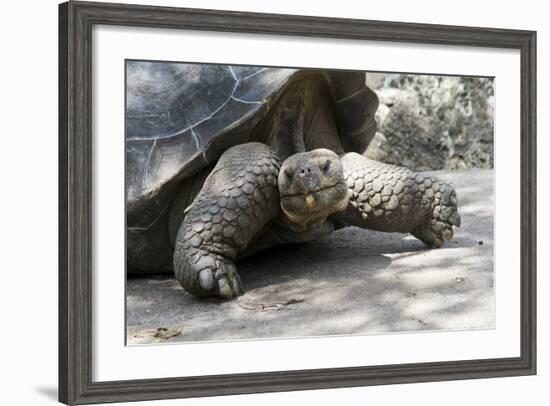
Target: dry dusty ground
353, 282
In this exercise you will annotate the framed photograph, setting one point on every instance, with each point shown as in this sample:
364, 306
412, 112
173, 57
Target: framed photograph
258, 202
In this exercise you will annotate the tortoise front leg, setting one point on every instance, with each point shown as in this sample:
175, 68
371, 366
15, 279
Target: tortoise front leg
237, 201
395, 199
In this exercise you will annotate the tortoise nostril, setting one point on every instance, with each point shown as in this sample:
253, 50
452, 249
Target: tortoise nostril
305, 170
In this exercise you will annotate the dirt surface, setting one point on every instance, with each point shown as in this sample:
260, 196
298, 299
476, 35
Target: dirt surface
353, 282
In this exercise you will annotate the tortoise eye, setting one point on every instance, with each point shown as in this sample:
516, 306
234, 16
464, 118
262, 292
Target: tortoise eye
289, 175
325, 166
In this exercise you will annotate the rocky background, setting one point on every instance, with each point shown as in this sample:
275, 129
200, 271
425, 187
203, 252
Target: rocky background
431, 122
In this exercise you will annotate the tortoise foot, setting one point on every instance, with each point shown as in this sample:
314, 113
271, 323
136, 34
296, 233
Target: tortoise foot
210, 275
438, 227
219, 280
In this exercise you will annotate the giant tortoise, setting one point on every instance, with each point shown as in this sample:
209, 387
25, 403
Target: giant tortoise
223, 161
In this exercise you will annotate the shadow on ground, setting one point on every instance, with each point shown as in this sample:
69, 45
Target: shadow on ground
352, 282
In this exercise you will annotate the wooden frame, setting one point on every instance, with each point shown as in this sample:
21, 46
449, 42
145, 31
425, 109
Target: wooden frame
75, 179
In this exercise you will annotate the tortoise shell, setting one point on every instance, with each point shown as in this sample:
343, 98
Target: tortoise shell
181, 117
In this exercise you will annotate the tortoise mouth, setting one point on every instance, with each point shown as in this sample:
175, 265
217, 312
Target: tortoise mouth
305, 207
304, 193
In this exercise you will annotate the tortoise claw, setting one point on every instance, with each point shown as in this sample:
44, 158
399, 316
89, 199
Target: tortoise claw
229, 283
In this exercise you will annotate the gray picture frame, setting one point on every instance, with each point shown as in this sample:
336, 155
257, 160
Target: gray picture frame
76, 20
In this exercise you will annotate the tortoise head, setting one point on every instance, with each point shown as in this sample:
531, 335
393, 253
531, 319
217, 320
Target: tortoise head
312, 186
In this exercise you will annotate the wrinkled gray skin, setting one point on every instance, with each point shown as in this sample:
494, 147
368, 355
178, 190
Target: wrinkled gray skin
299, 177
